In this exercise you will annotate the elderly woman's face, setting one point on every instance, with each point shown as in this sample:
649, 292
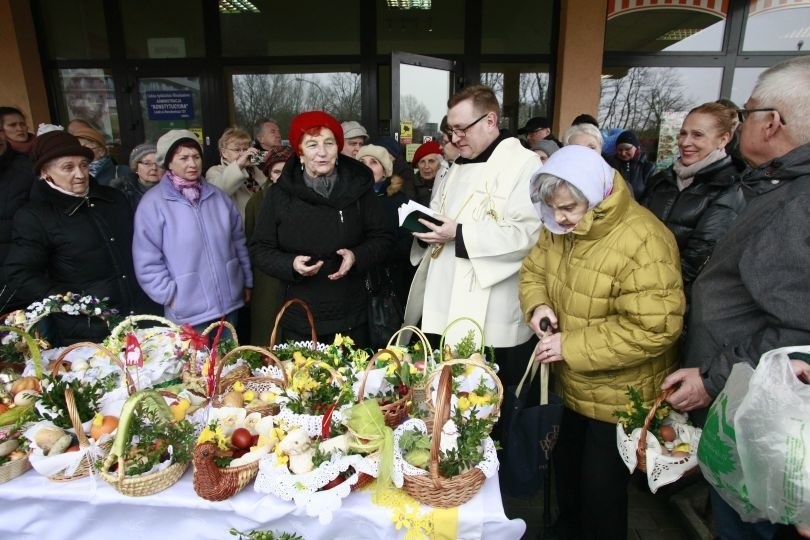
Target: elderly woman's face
375, 166
69, 173
275, 171
149, 170
583, 139
567, 210
319, 153
429, 166
233, 148
186, 163
543, 156
15, 128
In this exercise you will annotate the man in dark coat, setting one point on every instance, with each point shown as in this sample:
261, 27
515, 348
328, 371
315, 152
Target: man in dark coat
753, 295
16, 178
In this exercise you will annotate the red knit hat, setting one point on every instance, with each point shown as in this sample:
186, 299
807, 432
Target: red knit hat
313, 119
426, 149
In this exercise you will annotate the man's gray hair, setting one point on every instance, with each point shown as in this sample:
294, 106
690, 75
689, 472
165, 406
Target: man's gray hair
587, 129
786, 88
258, 125
548, 184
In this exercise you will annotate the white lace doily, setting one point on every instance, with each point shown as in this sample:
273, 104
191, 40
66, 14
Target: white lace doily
662, 469
66, 462
489, 465
311, 423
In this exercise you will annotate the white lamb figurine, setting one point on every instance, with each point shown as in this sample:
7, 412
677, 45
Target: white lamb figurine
450, 434
299, 448
339, 443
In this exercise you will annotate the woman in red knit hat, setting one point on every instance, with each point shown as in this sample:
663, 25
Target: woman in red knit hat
428, 159
321, 228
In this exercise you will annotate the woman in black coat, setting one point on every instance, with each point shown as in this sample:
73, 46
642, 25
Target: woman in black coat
73, 235
698, 197
320, 230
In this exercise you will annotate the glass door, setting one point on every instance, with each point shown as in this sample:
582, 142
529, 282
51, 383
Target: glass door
170, 103
420, 88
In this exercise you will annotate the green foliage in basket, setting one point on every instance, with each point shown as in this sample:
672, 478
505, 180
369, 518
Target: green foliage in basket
469, 451
636, 411
256, 534
87, 395
150, 437
253, 359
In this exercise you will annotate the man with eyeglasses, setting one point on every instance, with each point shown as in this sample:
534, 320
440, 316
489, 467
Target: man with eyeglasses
469, 267
753, 294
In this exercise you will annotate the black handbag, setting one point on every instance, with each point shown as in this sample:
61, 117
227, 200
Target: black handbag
385, 313
530, 434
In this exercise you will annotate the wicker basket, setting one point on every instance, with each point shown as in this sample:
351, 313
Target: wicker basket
143, 484
13, 469
86, 466
466, 362
432, 489
33, 347
115, 341
256, 384
219, 483
394, 413
310, 318
419, 391
641, 450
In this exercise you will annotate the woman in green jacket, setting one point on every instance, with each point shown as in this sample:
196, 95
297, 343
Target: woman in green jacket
606, 274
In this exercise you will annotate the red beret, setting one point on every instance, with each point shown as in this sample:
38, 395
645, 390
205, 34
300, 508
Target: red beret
426, 149
313, 119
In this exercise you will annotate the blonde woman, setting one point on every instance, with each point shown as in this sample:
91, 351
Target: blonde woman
238, 173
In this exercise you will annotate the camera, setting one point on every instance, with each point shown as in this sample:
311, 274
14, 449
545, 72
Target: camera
258, 159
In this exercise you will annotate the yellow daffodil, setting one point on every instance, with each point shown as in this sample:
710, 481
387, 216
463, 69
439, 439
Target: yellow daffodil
281, 457
391, 369
298, 359
412, 369
213, 435
384, 356
238, 386
338, 340
463, 403
249, 396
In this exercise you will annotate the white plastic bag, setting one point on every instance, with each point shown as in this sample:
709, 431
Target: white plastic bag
755, 448
773, 439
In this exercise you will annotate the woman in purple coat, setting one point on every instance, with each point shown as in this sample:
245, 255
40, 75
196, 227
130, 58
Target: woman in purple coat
189, 246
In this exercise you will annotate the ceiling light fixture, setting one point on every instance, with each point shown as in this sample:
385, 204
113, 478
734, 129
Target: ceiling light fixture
229, 7
408, 4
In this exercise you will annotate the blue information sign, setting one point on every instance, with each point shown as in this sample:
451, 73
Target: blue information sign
170, 105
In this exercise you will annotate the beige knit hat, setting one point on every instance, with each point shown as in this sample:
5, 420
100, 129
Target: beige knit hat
380, 154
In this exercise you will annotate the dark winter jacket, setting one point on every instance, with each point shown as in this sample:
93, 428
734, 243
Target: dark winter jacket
423, 190
295, 221
78, 244
699, 215
131, 187
753, 294
636, 172
16, 178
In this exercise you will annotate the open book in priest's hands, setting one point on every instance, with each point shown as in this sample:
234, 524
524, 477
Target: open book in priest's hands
411, 212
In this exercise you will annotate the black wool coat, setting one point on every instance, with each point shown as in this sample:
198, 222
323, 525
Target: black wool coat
698, 216
294, 220
16, 178
78, 244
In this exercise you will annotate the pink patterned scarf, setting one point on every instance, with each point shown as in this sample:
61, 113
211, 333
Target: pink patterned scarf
190, 189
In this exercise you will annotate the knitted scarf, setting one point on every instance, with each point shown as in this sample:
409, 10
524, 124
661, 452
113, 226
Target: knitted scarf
686, 173
190, 189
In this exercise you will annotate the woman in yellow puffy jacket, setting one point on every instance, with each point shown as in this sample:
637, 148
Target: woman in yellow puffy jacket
606, 273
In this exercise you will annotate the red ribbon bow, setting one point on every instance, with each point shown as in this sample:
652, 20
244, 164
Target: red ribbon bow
197, 340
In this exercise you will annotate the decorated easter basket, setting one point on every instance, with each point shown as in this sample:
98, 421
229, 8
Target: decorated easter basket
257, 385
14, 467
397, 411
143, 484
419, 390
31, 344
90, 450
429, 487
219, 483
640, 450
313, 343
202, 352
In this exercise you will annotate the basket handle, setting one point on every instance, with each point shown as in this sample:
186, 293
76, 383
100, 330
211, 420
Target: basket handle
310, 318
271, 359
36, 355
371, 361
118, 449
430, 363
455, 322
443, 395
114, 357
466, 361
129, 323
642, 439
214, 325
75, 420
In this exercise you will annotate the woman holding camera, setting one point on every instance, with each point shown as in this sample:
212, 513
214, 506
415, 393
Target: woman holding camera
238, 174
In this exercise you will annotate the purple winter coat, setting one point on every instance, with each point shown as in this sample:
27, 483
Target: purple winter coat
192, 260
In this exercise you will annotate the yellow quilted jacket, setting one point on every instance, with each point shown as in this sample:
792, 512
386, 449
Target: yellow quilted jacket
615, 285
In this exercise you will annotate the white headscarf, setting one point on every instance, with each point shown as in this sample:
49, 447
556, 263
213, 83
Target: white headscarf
577, 165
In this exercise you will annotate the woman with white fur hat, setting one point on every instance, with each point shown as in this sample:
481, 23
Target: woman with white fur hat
606, 274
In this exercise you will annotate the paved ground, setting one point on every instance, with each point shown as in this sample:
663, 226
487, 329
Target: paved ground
676, 514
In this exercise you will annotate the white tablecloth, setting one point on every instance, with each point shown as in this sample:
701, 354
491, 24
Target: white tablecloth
33, 507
